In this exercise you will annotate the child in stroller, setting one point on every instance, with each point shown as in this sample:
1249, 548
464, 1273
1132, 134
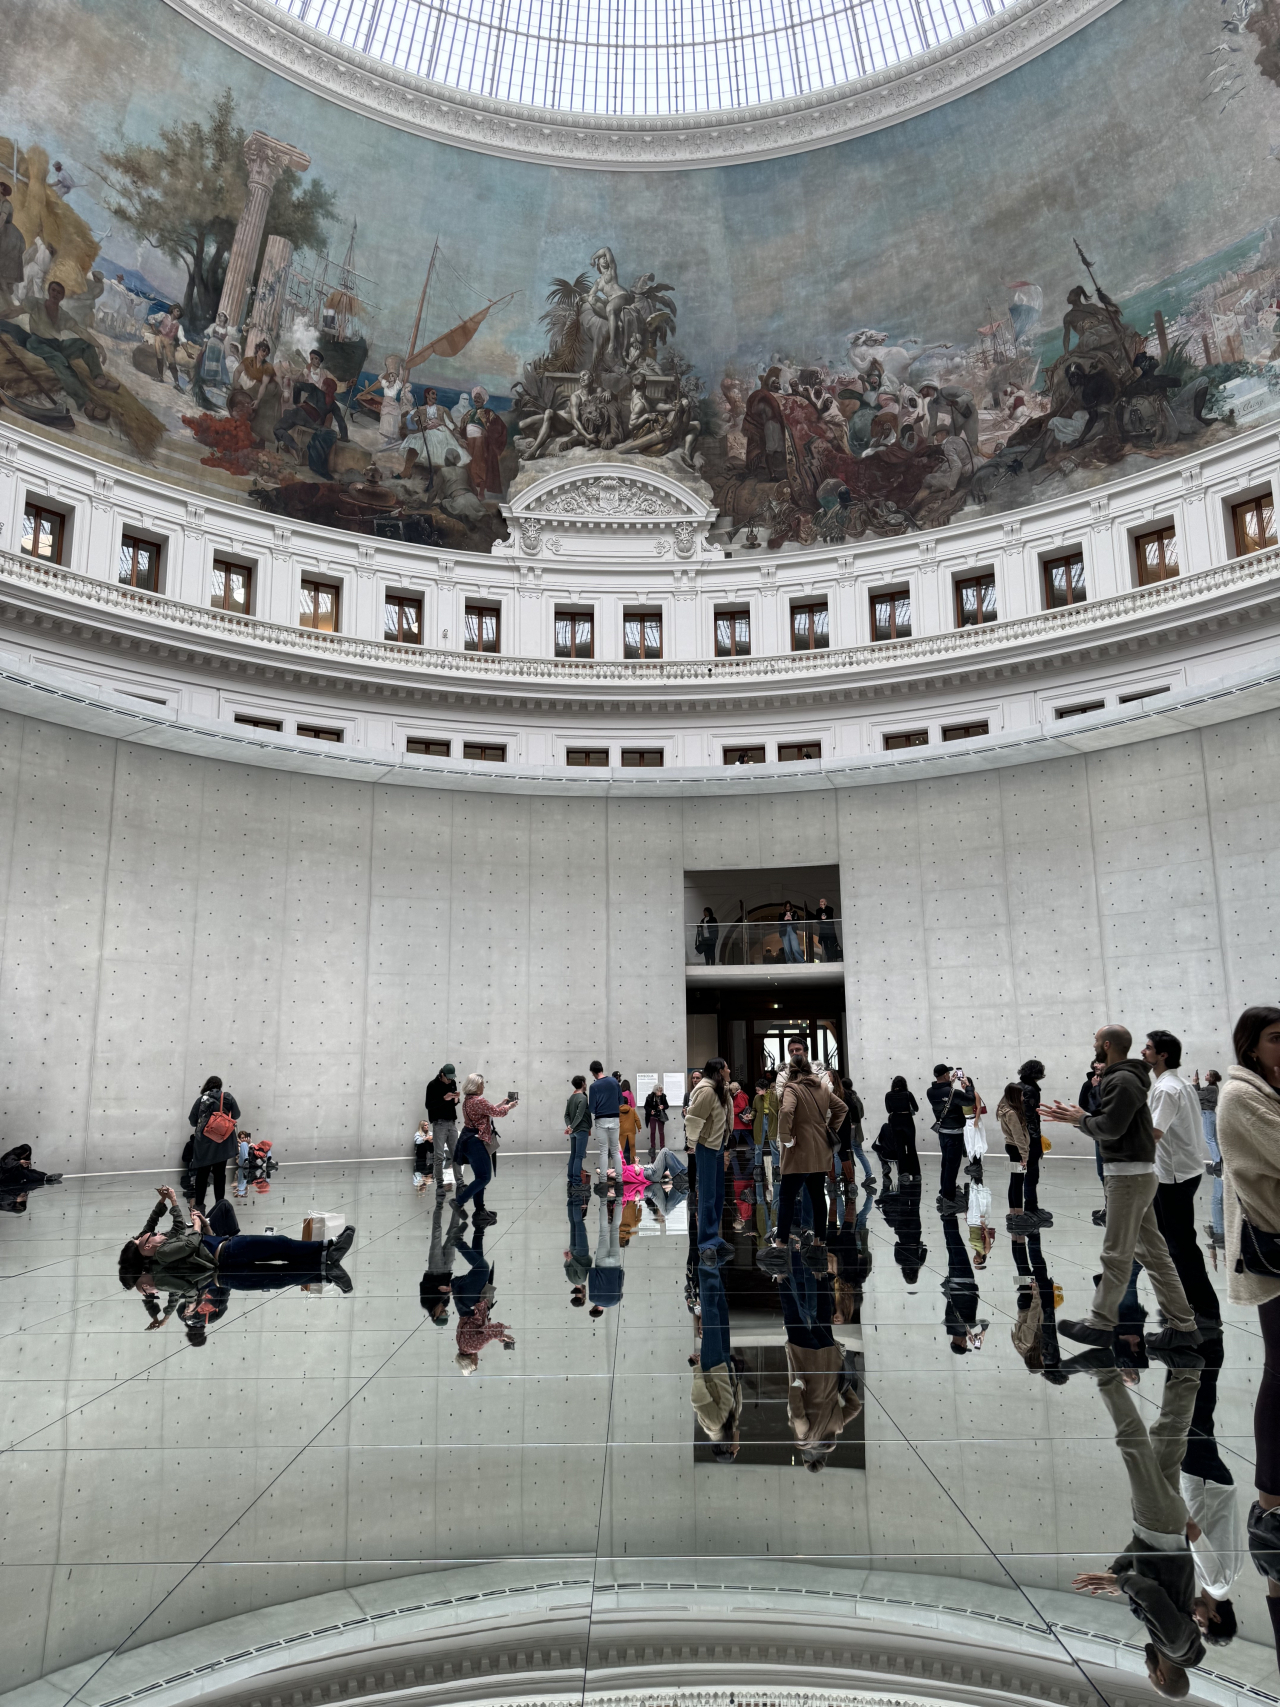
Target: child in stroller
255, 1165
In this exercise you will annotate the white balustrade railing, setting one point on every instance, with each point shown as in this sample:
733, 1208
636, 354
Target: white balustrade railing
1071, 626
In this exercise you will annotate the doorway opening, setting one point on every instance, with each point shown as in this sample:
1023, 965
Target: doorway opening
751, 1028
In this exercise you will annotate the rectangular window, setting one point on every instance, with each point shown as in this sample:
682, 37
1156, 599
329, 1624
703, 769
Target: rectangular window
575, 634
891, 615
1147, 693
259, 722
744, 755
1063, 581
318, 606
1079, 710
402, 620
597, 756
231, 583
483, 628
42, 532
1254, 522
810, 627
1157, 556
642, 758
428, 749
796, 752
642, 634
965, 731
906, 738
976, 600
493, 755
733, 634
139, 563
311, 732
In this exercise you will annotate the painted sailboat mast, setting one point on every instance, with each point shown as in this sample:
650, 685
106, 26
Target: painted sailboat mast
426, 286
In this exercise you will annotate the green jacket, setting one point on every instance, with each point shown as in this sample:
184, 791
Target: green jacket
766, 1108
181, 1253
577, 1113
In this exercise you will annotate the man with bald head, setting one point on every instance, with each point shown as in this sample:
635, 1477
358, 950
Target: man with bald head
1126, 1138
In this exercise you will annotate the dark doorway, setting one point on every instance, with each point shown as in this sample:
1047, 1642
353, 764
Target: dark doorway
754, 1025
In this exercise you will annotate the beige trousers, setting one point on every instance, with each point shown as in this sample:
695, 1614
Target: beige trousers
1132, 1231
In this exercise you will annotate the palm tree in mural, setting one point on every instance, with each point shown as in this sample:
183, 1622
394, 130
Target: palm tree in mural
566, 340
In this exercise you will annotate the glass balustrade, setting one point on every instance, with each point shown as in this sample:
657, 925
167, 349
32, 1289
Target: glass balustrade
764, 942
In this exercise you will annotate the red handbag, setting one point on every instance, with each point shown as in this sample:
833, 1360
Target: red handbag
219, 1126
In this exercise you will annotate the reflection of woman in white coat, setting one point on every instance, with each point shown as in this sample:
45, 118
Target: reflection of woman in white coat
395, 398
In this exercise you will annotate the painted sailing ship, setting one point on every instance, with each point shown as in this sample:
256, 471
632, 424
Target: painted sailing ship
332, 304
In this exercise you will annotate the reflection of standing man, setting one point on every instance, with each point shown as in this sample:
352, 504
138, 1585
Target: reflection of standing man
821, 1399
1155, 1571
717, 1391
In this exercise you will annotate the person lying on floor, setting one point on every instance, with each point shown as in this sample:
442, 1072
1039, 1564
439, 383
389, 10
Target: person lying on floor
215, 1244
18, 1177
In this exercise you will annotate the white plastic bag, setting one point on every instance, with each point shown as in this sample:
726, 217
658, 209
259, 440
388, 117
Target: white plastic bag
975, 1139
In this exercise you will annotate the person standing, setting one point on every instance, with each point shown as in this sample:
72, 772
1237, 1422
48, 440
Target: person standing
830, 947
946, 1098
851, 1133
1125, 1134
605, 1102
628, 1127
707, 936
478, 1116
655, 1114
1208, 1097
213, 1149
1179, 1132
792, 953
577, 1129
1249, 1137
709, 1123
1011, 1115
743, 1128
1030, 1075
764, 1125
442, 1112
902, 1108
1089, 1103
807, 1111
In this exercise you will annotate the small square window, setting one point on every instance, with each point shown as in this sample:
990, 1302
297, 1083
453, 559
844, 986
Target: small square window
810, 627
1157, 556
575, 634
1145, 693
796, 752
231, 587
483, 628
318, 606
488, 752
906, 738
313, 732
642, 758
965, 731
139, 564
42, 533
976, 600
428, 749
744, 755
402, 620
1254, 522
642, 634
891, 615
1079, 710
1063, 581
595, 756
272, 723
733, 634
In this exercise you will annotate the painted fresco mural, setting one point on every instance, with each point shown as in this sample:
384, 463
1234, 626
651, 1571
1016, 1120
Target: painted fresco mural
207, 270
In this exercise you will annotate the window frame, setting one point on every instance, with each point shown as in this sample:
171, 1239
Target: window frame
134, 540
320, 732
744, 747
481, 752
32, 508
1083, 709
732, 614
402, 602
573, 615
481, 611
1161, 534
249, 720
587, 758
1258, 501
1064, 560
790, 753
426, 741
891, 595
903, 740
637, 758
228, 566
981, 580
642, 615
811, 608
966, 731
320, 586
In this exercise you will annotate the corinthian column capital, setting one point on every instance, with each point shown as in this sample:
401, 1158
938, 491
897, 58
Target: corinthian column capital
266, 158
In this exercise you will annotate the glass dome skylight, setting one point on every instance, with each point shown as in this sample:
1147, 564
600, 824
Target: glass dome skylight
635, 58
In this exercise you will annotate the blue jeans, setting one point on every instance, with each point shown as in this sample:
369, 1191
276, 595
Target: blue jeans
716, 1346
773, 1152
790, 946
470, 1149
578, 1154
858, 1152
710, 1171
1209, 1116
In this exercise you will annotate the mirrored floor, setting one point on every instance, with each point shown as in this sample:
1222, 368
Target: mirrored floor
564, 1404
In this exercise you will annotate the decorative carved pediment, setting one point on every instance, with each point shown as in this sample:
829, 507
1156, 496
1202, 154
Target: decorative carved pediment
610, 495
610, 507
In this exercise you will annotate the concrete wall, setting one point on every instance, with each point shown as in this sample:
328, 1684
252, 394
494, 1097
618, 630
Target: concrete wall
326, 944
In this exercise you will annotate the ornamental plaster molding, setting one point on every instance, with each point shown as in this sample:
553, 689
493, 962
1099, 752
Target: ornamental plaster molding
609, 142
595, 503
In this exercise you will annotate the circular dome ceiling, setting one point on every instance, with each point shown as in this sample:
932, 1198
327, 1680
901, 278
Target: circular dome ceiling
659, 58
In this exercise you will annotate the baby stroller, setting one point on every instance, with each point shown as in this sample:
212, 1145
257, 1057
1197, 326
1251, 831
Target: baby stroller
256, 1164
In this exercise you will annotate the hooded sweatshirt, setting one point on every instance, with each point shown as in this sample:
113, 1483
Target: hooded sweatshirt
1122, 1125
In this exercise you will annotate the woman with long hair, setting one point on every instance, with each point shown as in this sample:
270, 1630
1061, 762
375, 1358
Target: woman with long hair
709, 1123
902, 1108
1249, 1139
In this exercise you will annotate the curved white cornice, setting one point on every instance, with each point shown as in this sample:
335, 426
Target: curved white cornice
305, 56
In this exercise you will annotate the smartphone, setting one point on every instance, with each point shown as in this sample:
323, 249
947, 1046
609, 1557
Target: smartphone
513, 1096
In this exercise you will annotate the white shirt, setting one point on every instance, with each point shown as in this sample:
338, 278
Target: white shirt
1128, 1168
1175, 1113
1220, 1553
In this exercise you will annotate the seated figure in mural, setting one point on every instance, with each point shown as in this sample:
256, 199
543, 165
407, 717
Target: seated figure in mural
584, 418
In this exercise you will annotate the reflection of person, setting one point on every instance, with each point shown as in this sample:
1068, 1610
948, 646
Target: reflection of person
604, 1283
717, 1391
960, 1291
1155, 1571
821, 1399
436, 1285
473, 1294
1219, 1539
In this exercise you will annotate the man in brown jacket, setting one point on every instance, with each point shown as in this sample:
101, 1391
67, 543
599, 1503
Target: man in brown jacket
809, 1116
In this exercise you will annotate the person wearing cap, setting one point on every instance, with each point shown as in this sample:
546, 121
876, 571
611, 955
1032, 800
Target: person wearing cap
442, 1112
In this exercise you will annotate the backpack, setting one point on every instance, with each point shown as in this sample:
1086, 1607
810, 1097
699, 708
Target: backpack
219, 1126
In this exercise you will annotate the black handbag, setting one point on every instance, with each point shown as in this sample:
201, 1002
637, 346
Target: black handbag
1259, 1250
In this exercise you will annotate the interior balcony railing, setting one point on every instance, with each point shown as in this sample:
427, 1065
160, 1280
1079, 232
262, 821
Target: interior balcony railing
764, 942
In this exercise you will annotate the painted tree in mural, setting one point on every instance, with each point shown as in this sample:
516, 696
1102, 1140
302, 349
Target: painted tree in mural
186, 194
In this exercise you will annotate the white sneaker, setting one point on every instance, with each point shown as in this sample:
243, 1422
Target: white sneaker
419, 1180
